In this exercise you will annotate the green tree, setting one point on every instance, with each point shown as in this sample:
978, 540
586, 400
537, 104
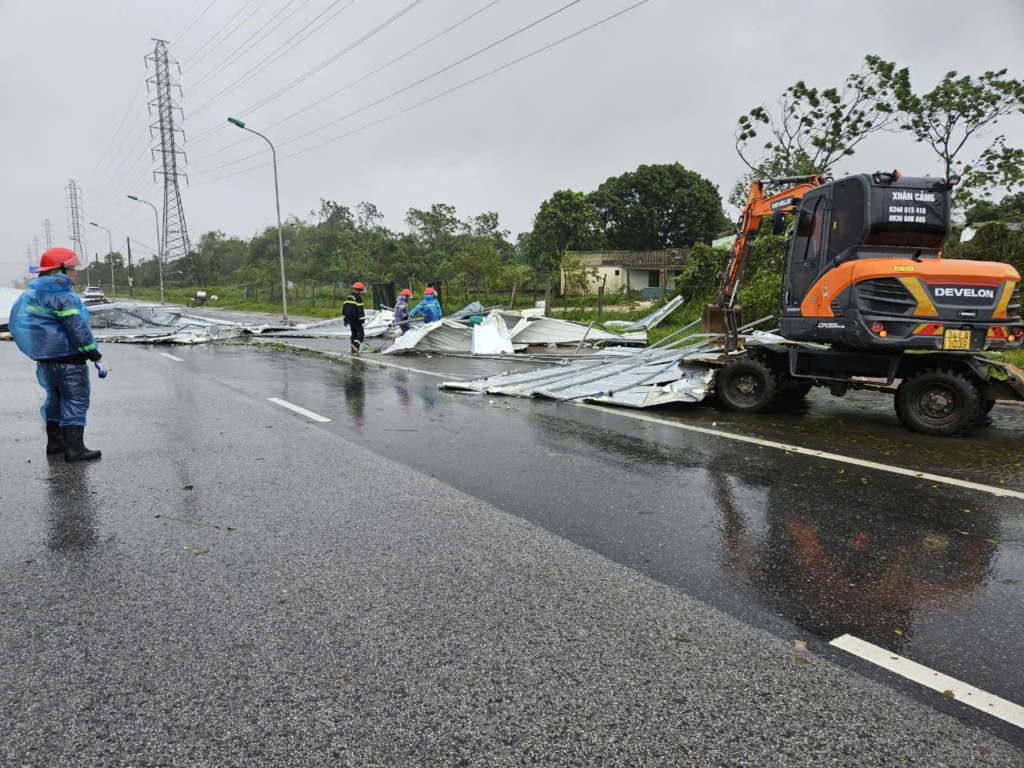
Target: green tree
809, 130
954, 116
566, 221
1010, 208
656, 207
478, 259
575, 275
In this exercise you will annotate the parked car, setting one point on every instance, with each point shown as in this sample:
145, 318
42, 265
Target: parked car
92, 293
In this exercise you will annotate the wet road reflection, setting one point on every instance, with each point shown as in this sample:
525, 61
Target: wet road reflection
71, 508
791, 543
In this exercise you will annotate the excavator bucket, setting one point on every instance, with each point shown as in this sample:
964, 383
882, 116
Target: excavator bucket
717, 320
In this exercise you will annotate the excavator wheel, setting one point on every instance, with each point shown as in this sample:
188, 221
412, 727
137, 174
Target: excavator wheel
747, 385
937, 401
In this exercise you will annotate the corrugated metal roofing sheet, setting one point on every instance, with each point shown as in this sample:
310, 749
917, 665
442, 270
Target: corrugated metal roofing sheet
672, 257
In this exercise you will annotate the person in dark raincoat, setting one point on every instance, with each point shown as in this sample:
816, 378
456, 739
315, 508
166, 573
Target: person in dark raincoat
50, 324
355, 316
402, 310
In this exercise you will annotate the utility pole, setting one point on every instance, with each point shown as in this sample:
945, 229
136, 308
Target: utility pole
75, 229
175, 244
131, 271
48, 233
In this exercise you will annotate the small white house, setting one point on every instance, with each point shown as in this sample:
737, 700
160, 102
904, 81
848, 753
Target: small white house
637, 269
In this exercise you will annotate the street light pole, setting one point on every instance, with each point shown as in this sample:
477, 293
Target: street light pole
277, 198
110, 256
159, 256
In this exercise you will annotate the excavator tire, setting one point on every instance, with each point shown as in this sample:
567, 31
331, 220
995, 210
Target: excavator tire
938, 401
747, 385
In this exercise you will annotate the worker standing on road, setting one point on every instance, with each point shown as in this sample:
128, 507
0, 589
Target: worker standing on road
402, 309
430, 308
355, 315
50, 324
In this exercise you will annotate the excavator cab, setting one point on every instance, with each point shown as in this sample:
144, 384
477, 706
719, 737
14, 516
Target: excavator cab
864, 270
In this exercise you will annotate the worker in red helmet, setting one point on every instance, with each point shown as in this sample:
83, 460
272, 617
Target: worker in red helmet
402, 309
430, 307
50, 324
354, 314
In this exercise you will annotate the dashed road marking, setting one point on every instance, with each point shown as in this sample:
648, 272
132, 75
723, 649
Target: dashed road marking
172, 357
949, 686
837, 457
298, 409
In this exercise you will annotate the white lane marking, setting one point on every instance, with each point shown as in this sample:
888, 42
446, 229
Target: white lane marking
962, 692
172, 357
994, 490
955, 481
298, 409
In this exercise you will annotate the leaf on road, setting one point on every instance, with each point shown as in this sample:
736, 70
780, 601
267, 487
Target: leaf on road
800, 645
802, 660
950, 694
187, 487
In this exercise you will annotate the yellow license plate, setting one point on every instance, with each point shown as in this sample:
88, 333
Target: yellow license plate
957, 340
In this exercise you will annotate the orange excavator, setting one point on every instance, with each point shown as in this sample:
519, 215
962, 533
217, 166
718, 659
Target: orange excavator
865, 276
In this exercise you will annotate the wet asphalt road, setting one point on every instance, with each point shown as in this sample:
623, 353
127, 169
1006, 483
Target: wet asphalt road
433, 578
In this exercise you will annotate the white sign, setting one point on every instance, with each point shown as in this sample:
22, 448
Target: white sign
290, 285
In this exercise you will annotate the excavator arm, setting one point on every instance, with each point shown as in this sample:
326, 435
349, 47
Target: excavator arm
722, 315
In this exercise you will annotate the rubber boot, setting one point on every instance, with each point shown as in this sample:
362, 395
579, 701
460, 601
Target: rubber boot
54, 439
74, 437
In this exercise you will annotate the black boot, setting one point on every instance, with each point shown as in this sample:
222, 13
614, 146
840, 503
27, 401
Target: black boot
76, 450
54, 439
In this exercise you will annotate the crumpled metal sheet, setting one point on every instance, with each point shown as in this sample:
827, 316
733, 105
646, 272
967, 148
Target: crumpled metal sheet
554, 331
649, 322
133, 323
641, 380
377, 324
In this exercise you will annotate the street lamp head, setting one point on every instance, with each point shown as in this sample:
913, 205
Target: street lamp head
132, 197
94, 223
236, 121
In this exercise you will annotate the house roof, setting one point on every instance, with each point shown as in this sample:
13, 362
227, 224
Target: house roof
671, 257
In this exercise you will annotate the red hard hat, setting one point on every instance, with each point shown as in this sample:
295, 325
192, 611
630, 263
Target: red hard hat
405, 292
359, 286
429, 292
56, 258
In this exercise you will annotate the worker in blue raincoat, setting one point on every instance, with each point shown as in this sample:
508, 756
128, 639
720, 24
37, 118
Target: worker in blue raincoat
50, 324
429, 308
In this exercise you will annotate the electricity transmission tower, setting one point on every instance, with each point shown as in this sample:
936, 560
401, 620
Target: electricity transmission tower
174, 243
35, 243
75, 218
28, 255
48, 233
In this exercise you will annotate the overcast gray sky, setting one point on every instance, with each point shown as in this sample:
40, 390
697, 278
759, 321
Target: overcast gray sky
663, 83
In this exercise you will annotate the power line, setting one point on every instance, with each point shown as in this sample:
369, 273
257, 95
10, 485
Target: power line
408, 87
127, 112
206, 134
178, 38
339, 91
214, 36
104, 179
241, 24
435, 97
235, 55
273, 56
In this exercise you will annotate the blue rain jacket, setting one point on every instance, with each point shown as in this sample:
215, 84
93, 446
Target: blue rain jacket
49, 320
67, 392
429, 308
